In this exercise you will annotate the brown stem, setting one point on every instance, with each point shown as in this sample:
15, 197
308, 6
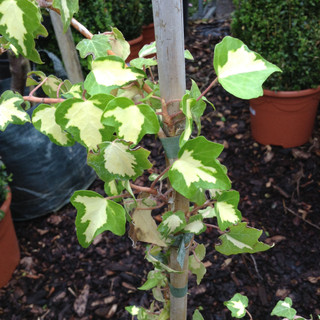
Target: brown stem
38, 86
249, 314
43, 100
213, 83
160, 176
143, 189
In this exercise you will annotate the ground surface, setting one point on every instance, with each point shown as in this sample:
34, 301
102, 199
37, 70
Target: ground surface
279, 191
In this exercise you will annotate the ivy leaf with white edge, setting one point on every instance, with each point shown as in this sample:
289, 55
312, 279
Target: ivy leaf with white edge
95, 215
11, 110
172, 222
241, 239
142, 62
226, 209
195, 225
67, 9
208, 212
43, 119
51, 85
113, 187
20, 24
237, 305
195, 264
186, 105
241, 71
82, 119
147, 50
116, 160
131, 121
75, 91
197, 167
97, 46
109, 73
120, 47
284, 309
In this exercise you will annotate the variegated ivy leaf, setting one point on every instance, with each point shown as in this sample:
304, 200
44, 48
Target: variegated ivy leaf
208, 212
67, 9
241, 71
82, 120
195, 225
109, 73
20, 24
172, 222
199, 107
120, 47
148, 49
51, 85
226, 209
142, 62
113, 187
195, 264
241, 239
237, 305
131, 121
43, 119
284, 309
116, 160
97, 46
75, 91
197, 168
186, 105
11, 110
95, 215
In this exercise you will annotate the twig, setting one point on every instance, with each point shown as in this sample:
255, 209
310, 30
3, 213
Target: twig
43, 100
143, 189
213, 83
249, 314
255, 266
297, 215
160, 176
38, 86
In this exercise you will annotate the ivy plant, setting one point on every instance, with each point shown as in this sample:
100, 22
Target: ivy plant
109, 114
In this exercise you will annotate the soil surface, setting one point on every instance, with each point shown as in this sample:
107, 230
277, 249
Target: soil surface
279, 189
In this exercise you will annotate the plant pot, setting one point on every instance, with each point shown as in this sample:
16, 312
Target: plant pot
9, 248
284, 118
148, 34
135, 46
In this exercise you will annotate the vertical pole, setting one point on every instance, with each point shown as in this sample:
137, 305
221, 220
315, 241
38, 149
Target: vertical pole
168, 22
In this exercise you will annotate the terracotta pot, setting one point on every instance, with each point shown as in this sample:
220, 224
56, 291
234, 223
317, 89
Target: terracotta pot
148, 34
284, 118
9, 248
135, 46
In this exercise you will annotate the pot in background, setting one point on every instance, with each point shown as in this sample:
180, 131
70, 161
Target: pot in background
284, 118
9, 247
135, 46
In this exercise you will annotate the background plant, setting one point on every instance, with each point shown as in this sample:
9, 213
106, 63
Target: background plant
4, 181
286, 32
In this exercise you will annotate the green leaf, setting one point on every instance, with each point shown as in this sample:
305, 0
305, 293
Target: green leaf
142, 62
147, 50
197, 168
208, 212
241, 71
188, 55
131, 121
186, 105
115, 160
283, 309
95, 215
43, 119
82, 119
241, 239
120, 47
109, 73
237, 305
97, 46
226, 209
113, 187
11, 110
195, 225
51, 85
197, 315
195, 264
20, 24
155, 278
67, 9
172, 222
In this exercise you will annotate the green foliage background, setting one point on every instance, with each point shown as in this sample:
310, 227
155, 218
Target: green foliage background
286, 33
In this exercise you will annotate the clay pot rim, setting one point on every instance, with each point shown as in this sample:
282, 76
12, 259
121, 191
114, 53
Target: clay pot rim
136, 40
291, 94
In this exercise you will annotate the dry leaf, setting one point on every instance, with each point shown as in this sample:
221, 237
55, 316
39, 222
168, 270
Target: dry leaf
80, 304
